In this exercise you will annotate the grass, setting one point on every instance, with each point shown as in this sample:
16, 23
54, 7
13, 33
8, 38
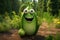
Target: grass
15, 22
57, 36
45, 16
50, 37
6, 23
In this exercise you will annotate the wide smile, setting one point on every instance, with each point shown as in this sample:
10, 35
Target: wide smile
29, 19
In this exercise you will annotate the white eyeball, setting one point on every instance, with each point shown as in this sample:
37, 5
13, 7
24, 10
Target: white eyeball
32, 11
25, 11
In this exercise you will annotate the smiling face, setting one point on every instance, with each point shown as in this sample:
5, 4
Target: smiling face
29, 14
29, 21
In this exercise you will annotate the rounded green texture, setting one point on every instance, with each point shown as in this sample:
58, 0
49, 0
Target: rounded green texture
21, 32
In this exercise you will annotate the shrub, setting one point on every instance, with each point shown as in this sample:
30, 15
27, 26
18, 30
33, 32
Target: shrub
57, 36
4, 27
15, 22
58, 25
56, 22
50, 37
45, 16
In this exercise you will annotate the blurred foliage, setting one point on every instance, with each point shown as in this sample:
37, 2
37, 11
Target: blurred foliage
9, 6
58, 25
50, 37
5, 27
15, 22
48, 17
45, 17
56, 21
52, 6
24, 1
53, 37
5, 23
57, 36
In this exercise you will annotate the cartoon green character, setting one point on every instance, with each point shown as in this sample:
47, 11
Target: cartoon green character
29, 22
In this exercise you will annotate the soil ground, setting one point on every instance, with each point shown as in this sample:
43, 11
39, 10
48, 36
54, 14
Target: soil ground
13, 35
41, 34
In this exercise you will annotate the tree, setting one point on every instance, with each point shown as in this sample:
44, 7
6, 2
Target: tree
9, 6
45, 5
49, 9
35, 6
41, 5
24, 1
54, 6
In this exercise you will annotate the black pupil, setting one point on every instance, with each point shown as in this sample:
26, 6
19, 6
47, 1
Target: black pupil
25, 10
31, 10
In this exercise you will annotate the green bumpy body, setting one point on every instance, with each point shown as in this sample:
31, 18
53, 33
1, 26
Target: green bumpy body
29, 27
29, 22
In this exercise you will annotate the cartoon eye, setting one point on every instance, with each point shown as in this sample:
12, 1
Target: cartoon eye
32, 11
25, 11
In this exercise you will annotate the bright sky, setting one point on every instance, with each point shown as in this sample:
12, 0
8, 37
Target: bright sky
32, 0
35, 0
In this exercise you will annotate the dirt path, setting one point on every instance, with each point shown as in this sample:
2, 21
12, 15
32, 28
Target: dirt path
13, 35
42, 32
